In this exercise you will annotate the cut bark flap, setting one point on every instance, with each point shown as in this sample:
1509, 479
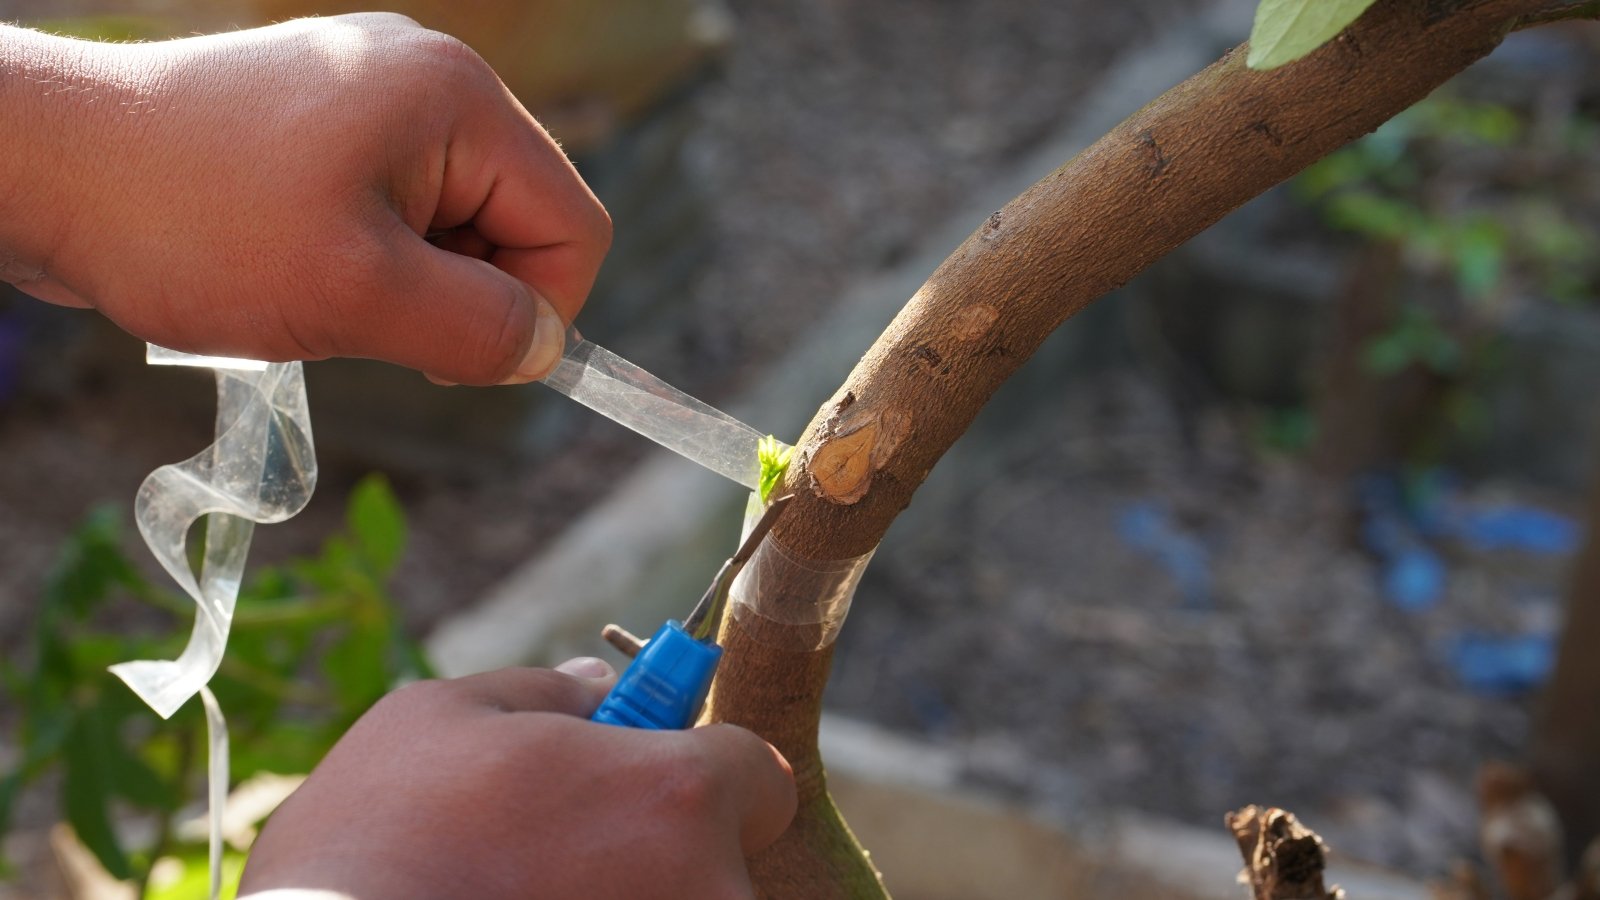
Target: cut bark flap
843, 461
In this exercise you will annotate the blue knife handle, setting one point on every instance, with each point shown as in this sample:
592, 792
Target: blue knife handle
666, 684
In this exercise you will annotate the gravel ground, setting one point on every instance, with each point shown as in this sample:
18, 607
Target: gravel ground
1072, 668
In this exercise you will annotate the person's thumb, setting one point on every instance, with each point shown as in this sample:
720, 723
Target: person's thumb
458, 319
575, 687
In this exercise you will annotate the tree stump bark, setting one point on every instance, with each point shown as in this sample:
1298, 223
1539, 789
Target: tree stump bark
1283, 860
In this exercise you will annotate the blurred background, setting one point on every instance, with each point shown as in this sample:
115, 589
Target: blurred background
1291, 519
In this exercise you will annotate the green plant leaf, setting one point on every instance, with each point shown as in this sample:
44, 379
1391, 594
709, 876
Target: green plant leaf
91, 563
377, 523
132, 778
357, 665
85, 789
1286, 30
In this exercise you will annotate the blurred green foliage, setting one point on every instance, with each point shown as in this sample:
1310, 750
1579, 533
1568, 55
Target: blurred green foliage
315, 642
1287, 429
1468, 192
1475, 198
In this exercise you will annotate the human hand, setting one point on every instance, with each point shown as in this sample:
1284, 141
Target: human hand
267, 193
497, 785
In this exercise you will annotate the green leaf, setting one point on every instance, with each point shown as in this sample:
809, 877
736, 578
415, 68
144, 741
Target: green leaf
85, 789
133, 779
90, 565
357, 665
377, 523
335, 570
1286, 30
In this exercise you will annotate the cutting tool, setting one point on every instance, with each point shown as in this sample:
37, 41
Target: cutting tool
666, 684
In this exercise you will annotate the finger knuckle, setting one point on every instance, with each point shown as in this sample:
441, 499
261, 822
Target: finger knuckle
381, 20
446, 54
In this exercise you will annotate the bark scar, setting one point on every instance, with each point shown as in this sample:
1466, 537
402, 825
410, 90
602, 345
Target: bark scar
844, 460
974, 322
991, 226
1266, 130
1157, 160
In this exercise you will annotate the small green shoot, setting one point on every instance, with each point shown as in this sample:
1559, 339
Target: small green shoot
774, 457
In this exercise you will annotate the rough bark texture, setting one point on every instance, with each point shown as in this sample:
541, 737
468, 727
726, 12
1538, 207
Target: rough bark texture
1163, 175
1566, 739
1283, 860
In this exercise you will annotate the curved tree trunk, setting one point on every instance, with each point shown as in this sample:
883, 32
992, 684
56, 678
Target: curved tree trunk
1165, 174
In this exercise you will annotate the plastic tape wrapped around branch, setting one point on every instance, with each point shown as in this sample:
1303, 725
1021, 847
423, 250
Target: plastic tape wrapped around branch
792, 603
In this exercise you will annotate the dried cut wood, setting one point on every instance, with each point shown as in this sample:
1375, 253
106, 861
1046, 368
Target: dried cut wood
1283, 859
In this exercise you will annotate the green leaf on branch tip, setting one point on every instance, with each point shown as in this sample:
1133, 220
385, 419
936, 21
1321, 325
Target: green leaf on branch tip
1286, 30
774, 459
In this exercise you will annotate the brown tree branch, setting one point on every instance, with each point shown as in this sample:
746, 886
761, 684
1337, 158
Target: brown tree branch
1166, 173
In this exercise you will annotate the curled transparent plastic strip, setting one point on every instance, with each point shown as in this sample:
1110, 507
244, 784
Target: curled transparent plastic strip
261, 468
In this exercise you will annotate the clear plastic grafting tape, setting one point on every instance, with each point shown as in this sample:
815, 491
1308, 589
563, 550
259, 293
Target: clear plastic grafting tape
261, 468
630, 396
791, 603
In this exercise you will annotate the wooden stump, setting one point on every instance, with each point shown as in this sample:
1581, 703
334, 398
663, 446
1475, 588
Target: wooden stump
1283, 860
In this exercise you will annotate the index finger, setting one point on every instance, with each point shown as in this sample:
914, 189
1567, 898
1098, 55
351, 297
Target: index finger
760, 782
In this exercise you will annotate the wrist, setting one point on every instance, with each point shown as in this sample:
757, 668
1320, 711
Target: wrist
59, 98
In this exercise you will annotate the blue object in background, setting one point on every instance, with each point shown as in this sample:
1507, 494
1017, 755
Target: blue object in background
1414, 578
1400, 516
1150, 529
665, 685
1524, 528
1410, 575
1502, 665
